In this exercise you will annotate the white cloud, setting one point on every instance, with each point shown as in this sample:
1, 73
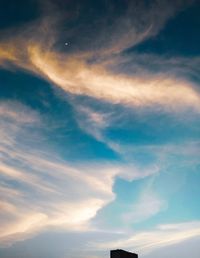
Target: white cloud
91, 121
162, 236
184, 249
157, 91
49, 191
147, 206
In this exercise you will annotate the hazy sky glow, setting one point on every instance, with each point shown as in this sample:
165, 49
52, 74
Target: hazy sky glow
99, 128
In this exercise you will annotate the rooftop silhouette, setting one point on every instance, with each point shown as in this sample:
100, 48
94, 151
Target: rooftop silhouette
122, 254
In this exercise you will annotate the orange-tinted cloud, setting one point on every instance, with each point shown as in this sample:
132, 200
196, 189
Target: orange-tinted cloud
34, 51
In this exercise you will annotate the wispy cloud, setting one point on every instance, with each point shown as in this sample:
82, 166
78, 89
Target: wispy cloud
147, 206
47, 192
74, 73
91, 121
163, 235
39, 189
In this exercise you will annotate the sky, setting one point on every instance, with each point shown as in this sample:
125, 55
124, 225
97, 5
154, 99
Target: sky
99, 128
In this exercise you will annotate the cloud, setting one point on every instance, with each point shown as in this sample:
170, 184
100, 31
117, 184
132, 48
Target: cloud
163, 235
76, 77
91, 121
40, 190
74, 73
42, 175
112, 26
183, 249
147, 206
141, 63
97, 244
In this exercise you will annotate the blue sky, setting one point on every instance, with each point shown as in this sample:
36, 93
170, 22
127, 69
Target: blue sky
99, 137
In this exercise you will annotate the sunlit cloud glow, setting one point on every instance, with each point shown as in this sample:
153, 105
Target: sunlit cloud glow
99, 126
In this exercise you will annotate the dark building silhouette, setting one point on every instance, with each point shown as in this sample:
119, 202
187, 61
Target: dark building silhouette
122, 254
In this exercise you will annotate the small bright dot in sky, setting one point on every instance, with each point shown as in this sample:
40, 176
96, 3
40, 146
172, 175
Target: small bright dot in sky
66, 44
